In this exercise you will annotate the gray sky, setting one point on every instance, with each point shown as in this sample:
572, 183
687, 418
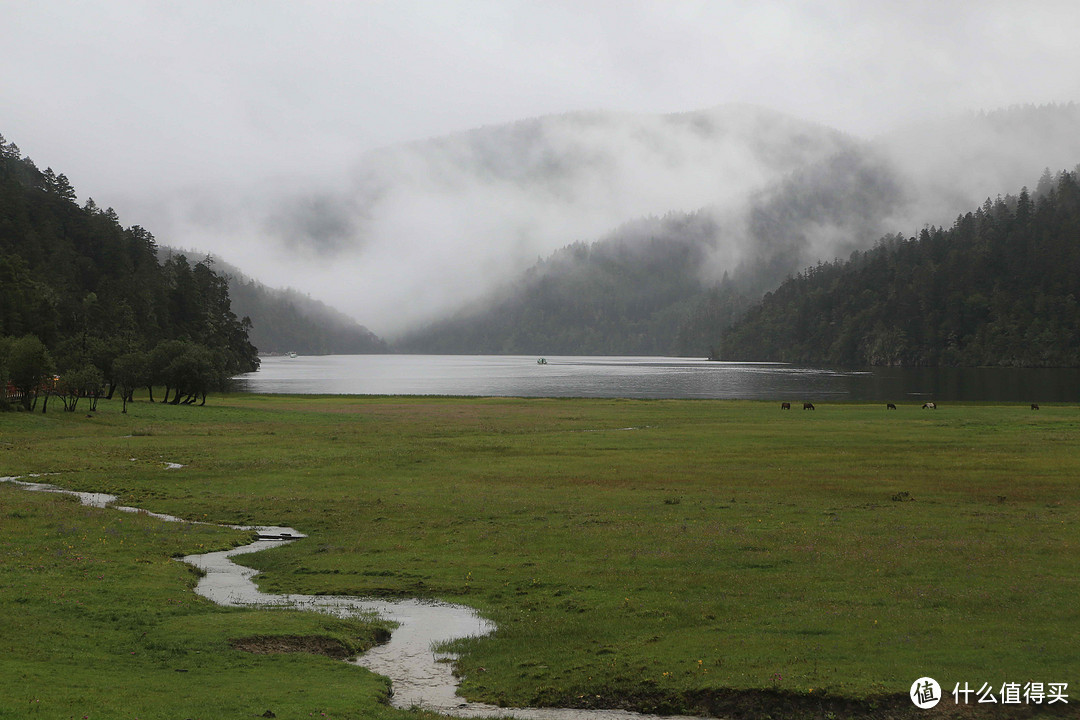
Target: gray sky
142, 102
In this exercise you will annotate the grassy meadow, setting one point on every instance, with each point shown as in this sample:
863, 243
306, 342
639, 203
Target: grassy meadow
719, 557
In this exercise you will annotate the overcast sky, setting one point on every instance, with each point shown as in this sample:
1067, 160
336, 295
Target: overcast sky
136, 101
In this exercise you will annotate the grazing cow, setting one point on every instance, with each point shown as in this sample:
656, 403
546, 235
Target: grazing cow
929, 406
1034, 406
785, 406
890, 406
808, 406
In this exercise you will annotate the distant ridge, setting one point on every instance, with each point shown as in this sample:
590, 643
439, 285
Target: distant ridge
290, 321
998, 288
286, 320
672, 284
429, 226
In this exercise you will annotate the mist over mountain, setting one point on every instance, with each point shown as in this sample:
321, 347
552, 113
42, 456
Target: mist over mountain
460, 243
600, 232
626, 294
997, 288
641, 288
286, 320
672, 285
953, 163
424, 228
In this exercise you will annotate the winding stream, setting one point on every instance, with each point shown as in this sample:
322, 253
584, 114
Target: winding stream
419, 676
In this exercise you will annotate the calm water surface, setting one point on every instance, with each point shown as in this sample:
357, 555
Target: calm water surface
648, 377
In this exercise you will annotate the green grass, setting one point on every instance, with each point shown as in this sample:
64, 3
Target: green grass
671, 555
98, 621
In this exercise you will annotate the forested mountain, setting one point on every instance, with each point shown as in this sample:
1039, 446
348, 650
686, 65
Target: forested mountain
626, 294
952, 164
422, 229
1000, 287
650, 288
729, 201
286, 320
824, 210
79, 292
672, 285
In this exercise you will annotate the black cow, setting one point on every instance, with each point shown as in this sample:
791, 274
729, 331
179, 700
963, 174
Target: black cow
785, 406
808, 406
890, 406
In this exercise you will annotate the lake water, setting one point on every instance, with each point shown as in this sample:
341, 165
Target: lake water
648, 377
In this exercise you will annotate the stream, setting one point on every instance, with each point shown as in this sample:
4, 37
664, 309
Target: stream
419, 676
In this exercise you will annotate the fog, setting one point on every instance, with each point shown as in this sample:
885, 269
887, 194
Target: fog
395, 159
425, 227
953, 164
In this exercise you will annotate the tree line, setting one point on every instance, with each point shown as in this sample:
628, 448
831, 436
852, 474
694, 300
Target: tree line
87, 309
1001, 287
650, 287
288, 320
624, 294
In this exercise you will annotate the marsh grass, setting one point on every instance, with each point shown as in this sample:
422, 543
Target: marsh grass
655, 554
99, 621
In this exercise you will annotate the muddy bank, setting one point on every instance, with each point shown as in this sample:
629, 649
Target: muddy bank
312, 644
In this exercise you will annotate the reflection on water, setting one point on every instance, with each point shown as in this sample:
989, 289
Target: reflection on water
647, 377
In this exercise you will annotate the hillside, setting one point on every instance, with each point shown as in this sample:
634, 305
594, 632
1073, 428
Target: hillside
78, 292
289, 321
999, 287
625, 294
672, 285
585, 233
649, 287
286, 320
423, 229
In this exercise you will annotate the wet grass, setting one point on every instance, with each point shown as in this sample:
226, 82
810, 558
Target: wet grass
667, 555
98, 621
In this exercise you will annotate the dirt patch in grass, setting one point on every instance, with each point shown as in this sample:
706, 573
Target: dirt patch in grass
274, 644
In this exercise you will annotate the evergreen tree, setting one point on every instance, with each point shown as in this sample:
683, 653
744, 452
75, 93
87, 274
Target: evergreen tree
88, 291
998, 288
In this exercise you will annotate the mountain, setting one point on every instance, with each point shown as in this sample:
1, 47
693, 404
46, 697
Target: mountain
672, 285
596, 232
952, 164
83, 297
625, 294
650, 286
420, 230
999, 287
286, 320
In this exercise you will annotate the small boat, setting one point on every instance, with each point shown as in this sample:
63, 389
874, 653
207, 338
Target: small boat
292, 354
541, 361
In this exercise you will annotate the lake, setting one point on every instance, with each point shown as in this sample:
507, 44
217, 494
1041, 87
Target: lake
648, 377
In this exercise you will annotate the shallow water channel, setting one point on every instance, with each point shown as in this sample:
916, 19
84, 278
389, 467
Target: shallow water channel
420, 677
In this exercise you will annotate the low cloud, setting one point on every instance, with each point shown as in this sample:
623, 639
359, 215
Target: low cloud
316, 226
426, 227
252, 131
